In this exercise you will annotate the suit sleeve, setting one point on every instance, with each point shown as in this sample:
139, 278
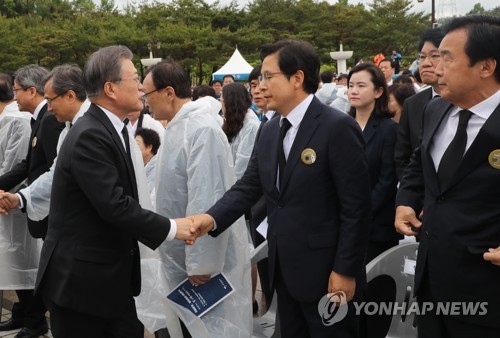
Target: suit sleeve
402, 150
14, 176
93, 167
349, 170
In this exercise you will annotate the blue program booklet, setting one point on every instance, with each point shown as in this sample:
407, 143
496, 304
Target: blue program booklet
201, 298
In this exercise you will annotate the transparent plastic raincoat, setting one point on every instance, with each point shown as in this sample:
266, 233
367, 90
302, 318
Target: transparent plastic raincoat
194, 170
242, 145
19, 251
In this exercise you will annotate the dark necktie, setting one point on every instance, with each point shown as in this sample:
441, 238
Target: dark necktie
455, 151
125, 136
285, 125
264, 119
32, 122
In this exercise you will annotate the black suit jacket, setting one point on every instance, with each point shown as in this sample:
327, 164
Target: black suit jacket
461, 220
41, 153
90, 258
319, 220
410, 129
380, 137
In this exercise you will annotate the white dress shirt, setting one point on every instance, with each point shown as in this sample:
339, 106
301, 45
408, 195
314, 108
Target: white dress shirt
448, 127
295, 118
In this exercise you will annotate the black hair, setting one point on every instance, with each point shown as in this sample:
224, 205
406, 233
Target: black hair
378, 80
295, 55
236, 101
150, 138
483, 32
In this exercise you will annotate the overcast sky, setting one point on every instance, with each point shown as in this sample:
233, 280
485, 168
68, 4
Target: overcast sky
443, 7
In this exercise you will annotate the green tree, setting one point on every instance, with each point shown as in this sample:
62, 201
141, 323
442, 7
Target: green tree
477, 9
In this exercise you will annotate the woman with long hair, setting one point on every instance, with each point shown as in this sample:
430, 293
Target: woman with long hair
367, 92
240, 124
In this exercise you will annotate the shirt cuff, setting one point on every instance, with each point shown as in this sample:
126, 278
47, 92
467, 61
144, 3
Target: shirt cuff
173, 230
21, 201
215, 224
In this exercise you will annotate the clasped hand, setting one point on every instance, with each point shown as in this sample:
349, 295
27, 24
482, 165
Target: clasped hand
192, 227
8, 202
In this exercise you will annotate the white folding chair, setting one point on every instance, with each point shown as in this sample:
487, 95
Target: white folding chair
398, 263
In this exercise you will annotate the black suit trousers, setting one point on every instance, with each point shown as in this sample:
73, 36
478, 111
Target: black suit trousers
30, 308
67, 323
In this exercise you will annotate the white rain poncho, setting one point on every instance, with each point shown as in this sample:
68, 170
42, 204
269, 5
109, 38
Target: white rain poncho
19, 251
213, 107
150, 123
242, 144
37, 194
194, 170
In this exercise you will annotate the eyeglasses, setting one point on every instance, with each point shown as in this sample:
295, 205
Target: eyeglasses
49, 100
434, 57
136, 79
266, 76
15, 90
145, 96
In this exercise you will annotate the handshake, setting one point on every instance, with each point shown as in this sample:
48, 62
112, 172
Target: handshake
192, 227
188, 229
8, 202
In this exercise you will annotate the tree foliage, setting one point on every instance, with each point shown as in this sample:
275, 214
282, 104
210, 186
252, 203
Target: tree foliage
199, 35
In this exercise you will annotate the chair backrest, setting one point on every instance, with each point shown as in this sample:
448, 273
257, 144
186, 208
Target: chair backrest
398, 263
266, 326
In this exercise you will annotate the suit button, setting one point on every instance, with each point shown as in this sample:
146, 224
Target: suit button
441, 198
280, 206
427, 233
132, 252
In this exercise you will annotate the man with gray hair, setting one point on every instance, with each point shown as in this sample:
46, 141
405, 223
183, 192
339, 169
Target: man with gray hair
90, 264
67, 100
29, 313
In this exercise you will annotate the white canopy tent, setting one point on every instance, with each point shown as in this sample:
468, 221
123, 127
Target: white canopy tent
236, 66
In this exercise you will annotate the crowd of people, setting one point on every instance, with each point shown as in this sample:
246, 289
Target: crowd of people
105, 211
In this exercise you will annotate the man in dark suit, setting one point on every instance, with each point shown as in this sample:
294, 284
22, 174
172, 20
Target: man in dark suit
29, 312
89, 266
315, 180
410, 124
456, 174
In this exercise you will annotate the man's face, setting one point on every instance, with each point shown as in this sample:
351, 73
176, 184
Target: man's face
427, 66
129, 93
156, 100
385, 67
257, 96
145, 151
217, 87
24, 97
457, 80
227, 80
278, 90
59, 105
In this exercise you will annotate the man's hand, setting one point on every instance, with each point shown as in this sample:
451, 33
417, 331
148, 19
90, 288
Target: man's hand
203, 222
346, 284
199, 279
8, 202
186, 231
406, 222
493, 255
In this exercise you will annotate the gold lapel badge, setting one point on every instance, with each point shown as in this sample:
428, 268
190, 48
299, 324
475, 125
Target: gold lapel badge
308, 156
33, 143
494, 159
